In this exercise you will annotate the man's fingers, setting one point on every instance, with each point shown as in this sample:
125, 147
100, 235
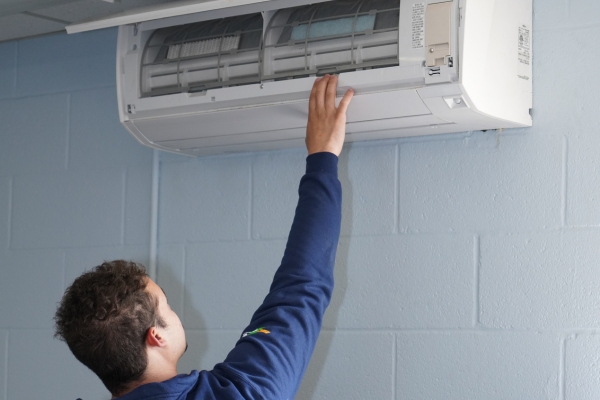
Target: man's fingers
312, 101
345, 102
323, 95
320, 93
330, 92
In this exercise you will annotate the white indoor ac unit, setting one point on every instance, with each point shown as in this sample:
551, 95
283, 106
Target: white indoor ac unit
235, 75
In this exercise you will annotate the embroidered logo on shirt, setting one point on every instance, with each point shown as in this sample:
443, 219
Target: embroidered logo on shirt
258, 330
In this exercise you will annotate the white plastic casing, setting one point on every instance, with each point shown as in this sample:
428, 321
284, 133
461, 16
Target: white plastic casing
486, 84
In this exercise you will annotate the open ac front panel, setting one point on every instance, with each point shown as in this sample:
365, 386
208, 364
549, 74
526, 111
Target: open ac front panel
238, 79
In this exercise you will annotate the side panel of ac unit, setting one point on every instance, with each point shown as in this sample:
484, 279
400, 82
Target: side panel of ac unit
496, 60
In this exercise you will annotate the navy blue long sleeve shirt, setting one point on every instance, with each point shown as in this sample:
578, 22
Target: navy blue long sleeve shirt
269, 360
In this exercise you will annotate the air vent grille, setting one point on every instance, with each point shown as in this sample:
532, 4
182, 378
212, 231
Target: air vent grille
202, 55
330, 37
202, 47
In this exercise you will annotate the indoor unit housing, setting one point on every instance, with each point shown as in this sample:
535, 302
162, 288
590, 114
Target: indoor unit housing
235, 75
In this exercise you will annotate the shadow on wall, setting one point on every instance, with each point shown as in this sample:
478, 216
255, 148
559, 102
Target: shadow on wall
198, 345
317, 363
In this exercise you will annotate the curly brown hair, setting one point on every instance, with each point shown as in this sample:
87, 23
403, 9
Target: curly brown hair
104, 316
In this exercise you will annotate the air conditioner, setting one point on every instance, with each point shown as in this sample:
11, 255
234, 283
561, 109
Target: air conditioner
235, 75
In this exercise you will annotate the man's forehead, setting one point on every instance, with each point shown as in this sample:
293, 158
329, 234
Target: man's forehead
153, 285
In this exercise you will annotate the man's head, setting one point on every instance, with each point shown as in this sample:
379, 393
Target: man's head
117, 322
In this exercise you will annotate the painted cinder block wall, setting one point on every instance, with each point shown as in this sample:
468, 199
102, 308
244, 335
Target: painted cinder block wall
468, 267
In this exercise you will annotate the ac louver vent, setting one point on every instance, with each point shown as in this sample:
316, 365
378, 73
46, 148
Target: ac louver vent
202, 55
329, 37
202, 47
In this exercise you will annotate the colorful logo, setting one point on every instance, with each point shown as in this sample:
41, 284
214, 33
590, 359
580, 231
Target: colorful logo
254, 332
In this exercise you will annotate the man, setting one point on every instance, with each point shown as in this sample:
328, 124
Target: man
117, 321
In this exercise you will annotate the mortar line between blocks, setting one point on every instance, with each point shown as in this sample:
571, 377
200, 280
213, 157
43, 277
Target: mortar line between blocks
64, 270
15, 77
68, 138
6, 365
476, 278
19, 96
10, 212
565, 176
183, 283
250, 198
394, 362
123, 199
397, 190
154, 217
561, 369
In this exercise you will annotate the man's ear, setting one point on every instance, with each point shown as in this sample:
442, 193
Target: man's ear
154, 338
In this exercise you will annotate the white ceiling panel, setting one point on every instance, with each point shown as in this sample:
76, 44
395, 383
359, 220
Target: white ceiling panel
159, 11
20, 26
21, 19
91, 9
9, 7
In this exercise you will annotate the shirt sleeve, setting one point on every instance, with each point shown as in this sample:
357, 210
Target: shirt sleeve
269, 361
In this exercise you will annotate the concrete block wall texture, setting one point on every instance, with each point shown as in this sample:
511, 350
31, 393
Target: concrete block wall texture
467, 266
74, 191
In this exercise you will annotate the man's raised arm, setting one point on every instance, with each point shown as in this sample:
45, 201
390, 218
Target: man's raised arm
270, 359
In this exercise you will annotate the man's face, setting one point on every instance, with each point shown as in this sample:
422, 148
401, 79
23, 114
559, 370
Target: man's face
174, 332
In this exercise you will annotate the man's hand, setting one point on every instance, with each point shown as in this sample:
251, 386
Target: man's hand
326, 127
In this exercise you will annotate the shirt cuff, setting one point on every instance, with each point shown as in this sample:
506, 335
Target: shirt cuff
322, 162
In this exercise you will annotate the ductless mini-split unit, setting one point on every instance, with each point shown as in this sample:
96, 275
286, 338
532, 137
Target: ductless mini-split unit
235, 75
